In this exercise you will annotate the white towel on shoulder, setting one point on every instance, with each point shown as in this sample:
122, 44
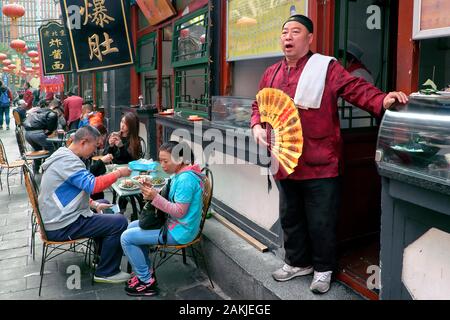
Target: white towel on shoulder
312, 82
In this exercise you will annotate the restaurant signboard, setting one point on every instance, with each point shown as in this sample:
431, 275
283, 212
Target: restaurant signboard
54, 49
431, 19
98, 34
254, 27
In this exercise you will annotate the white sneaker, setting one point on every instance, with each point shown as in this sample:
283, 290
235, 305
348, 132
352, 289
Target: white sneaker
321, 282
288, 272
117, 278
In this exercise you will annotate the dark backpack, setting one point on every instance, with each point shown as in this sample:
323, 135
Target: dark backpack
152, 218
4, 98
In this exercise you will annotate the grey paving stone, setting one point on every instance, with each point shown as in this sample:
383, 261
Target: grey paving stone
198, 292
81, 296
13, 263
24, 234
12, 228
49, 279
13, 253
13, 244
3, 222
13, 285
14, 218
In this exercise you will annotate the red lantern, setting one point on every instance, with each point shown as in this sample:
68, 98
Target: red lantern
3, 56
34, 60
6, 62
36, 67
18, 45
28, 70
33, 54
13, 10
5, 69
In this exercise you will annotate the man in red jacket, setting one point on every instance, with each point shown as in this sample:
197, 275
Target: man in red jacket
309, 197
28, 96
72, 110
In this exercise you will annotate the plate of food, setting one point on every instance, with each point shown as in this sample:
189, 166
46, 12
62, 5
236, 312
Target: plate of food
157, 181
195, 118
141, 177
415, 152
167, 112
128, 185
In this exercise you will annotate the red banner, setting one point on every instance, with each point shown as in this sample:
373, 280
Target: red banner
53, 83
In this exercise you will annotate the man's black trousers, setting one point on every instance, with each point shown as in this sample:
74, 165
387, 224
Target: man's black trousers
308, 216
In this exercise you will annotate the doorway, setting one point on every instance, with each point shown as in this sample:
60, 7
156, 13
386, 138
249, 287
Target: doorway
364, 45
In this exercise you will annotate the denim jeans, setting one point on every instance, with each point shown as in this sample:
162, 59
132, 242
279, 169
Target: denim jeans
106, 228
5, 111
135, 243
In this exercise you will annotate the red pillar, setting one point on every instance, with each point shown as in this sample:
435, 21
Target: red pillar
407, 50
135, 81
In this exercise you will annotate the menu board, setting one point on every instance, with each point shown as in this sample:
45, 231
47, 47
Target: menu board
254, 27
431, 19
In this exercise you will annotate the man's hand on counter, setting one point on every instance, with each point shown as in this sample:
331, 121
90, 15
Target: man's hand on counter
391, 97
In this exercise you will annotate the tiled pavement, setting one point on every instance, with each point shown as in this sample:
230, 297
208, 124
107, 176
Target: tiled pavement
19, 273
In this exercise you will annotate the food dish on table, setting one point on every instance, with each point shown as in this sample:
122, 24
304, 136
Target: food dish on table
128, 185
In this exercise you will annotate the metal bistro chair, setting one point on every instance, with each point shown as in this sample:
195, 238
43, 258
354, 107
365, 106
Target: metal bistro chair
68, 137
56, 247
143, 148
11, 168
24, 153
17, 118
167, 251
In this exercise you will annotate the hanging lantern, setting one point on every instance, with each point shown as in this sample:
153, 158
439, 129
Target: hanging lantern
7, 62
13, 10
36, 67
5, 69
18, 45
34, 60
33, 54
29, 70
3, 56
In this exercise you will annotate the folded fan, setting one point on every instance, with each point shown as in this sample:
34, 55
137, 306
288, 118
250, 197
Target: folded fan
278, 109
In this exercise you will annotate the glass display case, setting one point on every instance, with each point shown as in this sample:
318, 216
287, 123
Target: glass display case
414, 140
231, 111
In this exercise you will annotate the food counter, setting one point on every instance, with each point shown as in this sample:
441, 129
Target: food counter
413, 158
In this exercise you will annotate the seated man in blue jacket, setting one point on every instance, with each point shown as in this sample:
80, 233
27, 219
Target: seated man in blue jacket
65, 204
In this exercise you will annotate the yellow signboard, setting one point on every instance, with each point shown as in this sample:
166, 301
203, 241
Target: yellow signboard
254, 27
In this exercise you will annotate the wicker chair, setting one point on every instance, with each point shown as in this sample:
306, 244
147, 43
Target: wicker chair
24, 153
10, 167
56, 247
167, 251
17, 118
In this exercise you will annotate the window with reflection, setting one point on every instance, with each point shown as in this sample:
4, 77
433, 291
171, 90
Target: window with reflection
190, 35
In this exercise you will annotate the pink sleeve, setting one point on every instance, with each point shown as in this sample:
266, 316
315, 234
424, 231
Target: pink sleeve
177, 210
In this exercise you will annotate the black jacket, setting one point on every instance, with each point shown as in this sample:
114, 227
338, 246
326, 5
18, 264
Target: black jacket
43, 119
121, 155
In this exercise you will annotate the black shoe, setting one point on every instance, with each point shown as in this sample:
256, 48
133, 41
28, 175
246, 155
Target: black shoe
7, 128
138, 288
